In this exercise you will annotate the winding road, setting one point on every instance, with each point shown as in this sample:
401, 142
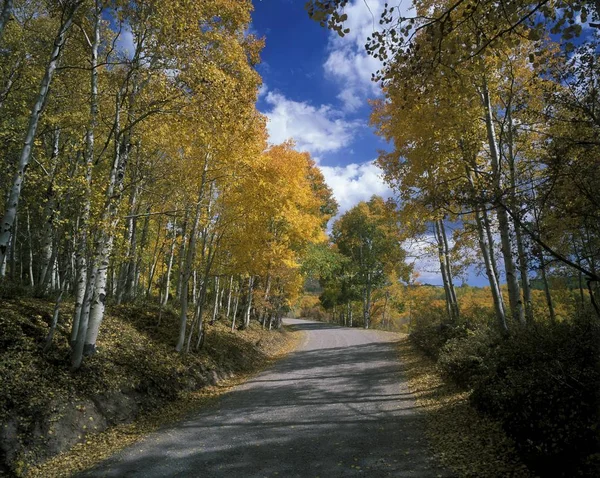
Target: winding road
336, 407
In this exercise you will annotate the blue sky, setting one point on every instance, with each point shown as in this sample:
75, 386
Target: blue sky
316, 87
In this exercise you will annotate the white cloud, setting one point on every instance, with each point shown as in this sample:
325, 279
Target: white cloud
354, 183
315, 129
422, 255
125, 43
263, 90
348, 63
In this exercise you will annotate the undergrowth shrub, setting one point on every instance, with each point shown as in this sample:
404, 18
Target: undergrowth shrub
432, 338
542, 382
465, 358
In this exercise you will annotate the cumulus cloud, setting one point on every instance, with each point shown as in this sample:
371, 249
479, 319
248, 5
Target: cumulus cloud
354, 183
315, 129
347, 62
421, 254
263, 90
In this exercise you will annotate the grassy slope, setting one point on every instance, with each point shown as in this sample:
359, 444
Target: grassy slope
135, 356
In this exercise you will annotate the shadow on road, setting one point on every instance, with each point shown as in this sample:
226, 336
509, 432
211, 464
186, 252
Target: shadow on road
329, 412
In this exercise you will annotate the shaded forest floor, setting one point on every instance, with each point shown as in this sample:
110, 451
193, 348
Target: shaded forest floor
464, 441
133, 385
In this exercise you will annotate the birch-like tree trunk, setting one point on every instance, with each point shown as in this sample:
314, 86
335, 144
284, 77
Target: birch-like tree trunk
216, 304
186, 274
10, 213
443, 269
170, 265
488, 259
246, 323
229, 297
30, 240
83, 226
455, 309
106, 237
126, 271
139, 255
49, 214
181, 254
367, 302
547, 288
522, 256
235, 307
514, 292
446, 270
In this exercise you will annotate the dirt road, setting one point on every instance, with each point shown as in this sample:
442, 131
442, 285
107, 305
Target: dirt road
336, 407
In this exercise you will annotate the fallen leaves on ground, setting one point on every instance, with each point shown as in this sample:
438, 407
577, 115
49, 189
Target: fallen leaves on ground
465, 442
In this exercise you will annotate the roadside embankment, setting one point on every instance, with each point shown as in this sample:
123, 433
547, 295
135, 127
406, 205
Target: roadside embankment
54, 422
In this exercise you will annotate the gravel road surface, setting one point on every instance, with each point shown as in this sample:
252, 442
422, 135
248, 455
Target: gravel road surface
336, 407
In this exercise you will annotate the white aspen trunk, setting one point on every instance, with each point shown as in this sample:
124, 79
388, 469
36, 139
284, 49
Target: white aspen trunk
198, 315
229, 297
187, 268
523, 262
138, 256
170, 266
83, 226
181, 255
347, 316
448, 263
443, 269
48, 230
31, 280
367, 302
491, 246
216, 304
8, 219
350, 316
547, 288
201, 333
488, 259
514, 292
3, 267
194, 286
123, 289
266, 297
235, 307
248, 303
7, 9
106, 239
13, 251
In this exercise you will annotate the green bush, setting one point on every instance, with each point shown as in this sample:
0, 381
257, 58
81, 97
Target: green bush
432, 338
465, 358
543, 384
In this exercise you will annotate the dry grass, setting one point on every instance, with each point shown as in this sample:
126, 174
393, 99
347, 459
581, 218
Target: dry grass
465, 442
